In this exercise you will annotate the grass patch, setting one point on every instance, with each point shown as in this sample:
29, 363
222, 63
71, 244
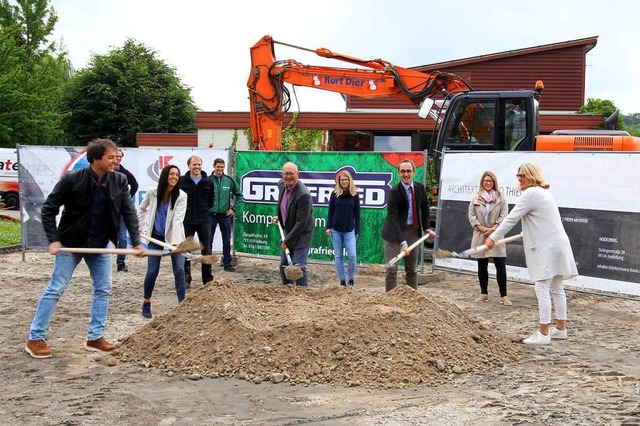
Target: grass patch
10, 234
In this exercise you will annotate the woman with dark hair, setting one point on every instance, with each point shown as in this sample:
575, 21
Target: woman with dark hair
164, 207
547, 250
486, 210
343, 224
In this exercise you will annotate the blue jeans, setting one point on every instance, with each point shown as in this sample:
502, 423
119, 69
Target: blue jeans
225, 228
63, 267
342, 240
122, 241
299, 258
153, 268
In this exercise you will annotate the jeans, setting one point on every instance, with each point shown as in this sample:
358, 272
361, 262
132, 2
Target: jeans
63, 267
204, 235
153, 268
225, 228
342, 240
299, 257
122, 241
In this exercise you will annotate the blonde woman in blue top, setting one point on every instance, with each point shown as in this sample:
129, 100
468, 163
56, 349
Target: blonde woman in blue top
343, 224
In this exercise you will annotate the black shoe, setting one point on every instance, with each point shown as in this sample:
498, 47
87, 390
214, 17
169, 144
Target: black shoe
123, 268
146, 310
343, 283
351, 283
229, 268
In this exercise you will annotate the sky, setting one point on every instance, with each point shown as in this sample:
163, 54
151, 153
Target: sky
208, 42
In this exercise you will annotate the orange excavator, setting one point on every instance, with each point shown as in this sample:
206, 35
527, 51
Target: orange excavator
270, 98
467, 119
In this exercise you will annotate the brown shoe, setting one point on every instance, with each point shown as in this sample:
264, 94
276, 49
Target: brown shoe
99, 345
505, 301
482, 298
38, 349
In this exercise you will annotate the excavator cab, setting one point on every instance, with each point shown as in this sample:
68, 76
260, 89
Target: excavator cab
490, 121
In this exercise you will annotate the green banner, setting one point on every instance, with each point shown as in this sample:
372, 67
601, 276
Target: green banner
258, 173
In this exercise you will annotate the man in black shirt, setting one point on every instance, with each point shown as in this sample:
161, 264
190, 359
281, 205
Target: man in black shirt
122, 233
199, 190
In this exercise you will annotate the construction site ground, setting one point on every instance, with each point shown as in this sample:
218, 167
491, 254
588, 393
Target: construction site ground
245, 350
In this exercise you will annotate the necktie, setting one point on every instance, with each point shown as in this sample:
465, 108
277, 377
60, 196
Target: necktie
414, 209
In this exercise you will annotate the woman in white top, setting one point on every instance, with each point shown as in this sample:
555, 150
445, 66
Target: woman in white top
546, 247
164, 207
487, 209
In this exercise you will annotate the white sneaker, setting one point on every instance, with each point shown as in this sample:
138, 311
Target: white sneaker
537, 338
558, 334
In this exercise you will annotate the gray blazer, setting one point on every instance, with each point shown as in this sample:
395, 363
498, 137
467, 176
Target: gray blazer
298, 229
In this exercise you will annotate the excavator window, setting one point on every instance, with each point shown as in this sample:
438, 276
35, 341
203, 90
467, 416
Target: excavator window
471, 124
515, 123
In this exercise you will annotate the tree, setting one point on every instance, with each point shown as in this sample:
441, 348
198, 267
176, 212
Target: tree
601, 106
294, 138
125, 92
35, 20
32, 74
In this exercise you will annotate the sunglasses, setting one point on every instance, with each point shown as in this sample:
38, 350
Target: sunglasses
520, 176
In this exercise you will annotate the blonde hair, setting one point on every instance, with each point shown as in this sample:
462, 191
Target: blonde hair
533, 172
352, 186
492, 175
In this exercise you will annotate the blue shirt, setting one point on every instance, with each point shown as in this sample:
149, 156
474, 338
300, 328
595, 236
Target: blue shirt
160, 221
410, 210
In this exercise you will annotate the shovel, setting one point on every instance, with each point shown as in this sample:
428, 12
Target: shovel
83, 250
411, 247
441, 254
291, 271
184, 248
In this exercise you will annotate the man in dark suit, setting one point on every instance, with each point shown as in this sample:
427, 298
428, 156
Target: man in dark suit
407, 217
295, 212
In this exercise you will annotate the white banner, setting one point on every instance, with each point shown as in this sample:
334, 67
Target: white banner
41, 167
597, 194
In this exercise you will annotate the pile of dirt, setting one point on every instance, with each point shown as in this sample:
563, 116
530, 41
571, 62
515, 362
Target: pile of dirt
333, 335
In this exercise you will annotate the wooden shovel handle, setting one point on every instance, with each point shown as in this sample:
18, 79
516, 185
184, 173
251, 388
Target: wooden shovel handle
158, 242
286, 251
83, 250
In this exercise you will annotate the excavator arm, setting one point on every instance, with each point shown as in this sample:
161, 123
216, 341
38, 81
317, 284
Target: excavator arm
269, 98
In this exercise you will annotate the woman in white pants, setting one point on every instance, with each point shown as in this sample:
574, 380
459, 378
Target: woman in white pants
546, 248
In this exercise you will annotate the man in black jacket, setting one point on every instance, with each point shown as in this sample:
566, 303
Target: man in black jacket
94, 198
199, 190
407, 217
122, 232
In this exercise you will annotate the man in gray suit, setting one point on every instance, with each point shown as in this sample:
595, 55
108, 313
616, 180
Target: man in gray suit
295, 213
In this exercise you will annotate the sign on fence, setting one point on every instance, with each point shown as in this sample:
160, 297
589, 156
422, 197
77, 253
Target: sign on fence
597, 194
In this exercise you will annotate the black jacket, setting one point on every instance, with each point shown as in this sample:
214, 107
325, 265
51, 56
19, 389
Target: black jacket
199, 199
398, 210
73, 192
131, 179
